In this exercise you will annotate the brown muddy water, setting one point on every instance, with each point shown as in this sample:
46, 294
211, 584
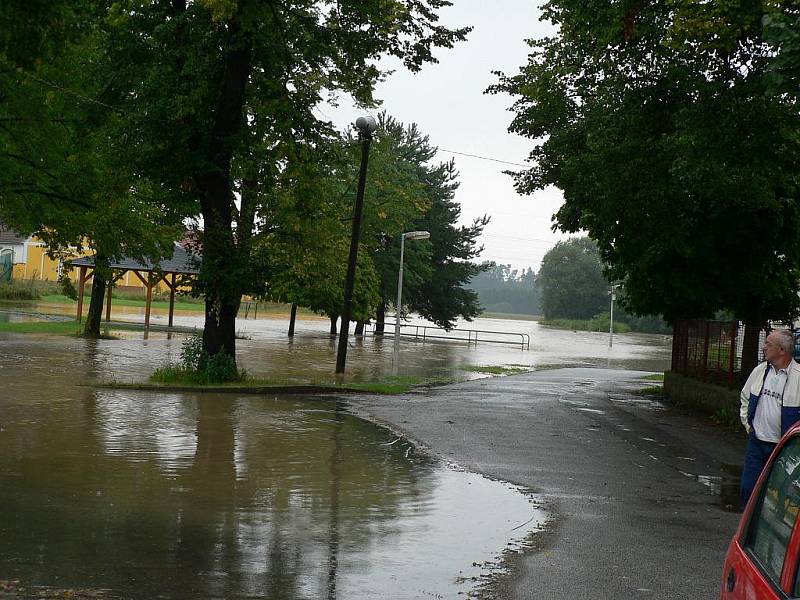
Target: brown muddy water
147, 495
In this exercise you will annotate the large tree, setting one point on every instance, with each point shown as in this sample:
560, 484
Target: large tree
656, 121
436, 271
63, 176
572, 282
215, 90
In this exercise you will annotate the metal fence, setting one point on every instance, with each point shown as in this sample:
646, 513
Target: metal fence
707, 350
712, 350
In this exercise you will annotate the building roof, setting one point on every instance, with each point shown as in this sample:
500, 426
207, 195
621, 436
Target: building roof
10, 237
181, 262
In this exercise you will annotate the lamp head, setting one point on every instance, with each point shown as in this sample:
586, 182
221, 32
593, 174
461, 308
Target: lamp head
417, 235
366, 125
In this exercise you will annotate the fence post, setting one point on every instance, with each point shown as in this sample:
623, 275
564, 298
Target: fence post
705, 349
732, 358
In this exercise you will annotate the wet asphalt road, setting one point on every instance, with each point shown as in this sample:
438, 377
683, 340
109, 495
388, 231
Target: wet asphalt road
630, 518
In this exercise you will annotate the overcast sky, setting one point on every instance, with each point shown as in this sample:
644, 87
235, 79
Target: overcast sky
447, 101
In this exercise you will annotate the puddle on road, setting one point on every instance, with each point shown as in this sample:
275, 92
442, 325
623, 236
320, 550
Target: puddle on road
725, 486
218, 496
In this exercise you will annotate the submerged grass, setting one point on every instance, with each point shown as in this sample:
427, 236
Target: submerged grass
50, 327
495, 369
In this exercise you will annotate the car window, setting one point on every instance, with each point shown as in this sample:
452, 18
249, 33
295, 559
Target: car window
776, 511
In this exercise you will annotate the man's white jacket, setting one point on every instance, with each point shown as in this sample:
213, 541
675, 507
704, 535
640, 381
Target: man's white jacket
790, 402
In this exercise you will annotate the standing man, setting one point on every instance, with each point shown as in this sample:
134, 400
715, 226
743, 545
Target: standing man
770, 405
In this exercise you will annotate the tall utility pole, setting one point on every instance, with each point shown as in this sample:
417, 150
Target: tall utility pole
366, 127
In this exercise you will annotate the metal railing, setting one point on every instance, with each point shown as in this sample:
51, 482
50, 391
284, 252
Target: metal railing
423, 332
247, 306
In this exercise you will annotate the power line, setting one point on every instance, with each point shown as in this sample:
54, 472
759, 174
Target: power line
497, 160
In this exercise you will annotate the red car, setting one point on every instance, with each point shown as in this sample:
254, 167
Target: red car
762, 561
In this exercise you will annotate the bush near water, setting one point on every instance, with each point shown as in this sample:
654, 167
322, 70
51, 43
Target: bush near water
196, 367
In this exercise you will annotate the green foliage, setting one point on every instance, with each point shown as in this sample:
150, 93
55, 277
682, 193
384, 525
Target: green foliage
654, 390
436, 271
657, 122
600, 323
654, 377
20, 289
571, 280
196, 367
118, 120
728, 417
67, 288
504, 290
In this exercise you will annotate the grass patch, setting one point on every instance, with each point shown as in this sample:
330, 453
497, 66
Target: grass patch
655, 390
727, 417
596, 324
48, 327
495, 369
654, 377
22, 289
63, 327
171, 378
511, 316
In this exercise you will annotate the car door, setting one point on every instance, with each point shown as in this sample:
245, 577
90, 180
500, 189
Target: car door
763, 557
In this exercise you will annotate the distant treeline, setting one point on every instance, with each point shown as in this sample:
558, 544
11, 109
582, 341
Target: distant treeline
570, 290
502, 289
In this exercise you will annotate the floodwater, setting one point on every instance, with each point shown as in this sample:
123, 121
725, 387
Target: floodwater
267, 352
163, 495
181, 495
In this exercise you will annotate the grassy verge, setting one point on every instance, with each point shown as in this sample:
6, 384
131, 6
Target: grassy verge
388, 386
654, 377
49, 327
512, 316
655, 390
495, 369
584, 325
61, 327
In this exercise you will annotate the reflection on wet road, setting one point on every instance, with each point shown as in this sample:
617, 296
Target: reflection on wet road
151, 495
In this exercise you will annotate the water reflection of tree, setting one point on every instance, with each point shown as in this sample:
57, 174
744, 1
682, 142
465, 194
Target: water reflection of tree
273, 497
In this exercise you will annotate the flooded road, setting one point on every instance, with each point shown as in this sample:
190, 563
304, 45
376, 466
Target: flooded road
146, 495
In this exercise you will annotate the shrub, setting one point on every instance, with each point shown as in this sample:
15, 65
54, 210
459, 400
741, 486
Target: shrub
196, 367
67, 288
19, 289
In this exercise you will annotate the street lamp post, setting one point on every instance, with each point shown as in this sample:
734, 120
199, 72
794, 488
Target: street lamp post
410, 235
366, 127
611, 320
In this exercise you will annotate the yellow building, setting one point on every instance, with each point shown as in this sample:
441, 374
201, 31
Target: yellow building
27, 257
24, 257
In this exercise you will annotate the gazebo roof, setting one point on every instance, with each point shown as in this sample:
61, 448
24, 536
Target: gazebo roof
182, 262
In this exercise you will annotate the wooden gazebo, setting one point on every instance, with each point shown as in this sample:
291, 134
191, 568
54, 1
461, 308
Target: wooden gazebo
177, 271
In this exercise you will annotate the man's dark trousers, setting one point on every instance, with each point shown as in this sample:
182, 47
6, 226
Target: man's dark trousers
755, 457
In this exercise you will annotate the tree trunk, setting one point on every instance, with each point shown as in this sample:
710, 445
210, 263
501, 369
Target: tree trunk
292, 318
95, 314
751, 353
221, 255
380, 317
333, 319
359, 330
